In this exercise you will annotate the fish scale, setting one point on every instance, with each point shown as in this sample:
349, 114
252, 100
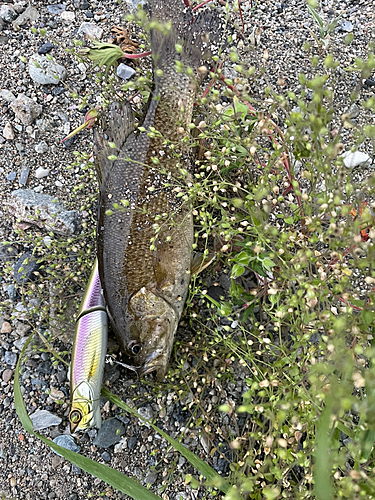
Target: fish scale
145, 281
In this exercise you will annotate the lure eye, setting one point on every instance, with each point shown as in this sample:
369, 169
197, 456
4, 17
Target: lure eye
75, 417
134, 347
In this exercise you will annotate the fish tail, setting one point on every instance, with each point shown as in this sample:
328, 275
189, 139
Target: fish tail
197, 34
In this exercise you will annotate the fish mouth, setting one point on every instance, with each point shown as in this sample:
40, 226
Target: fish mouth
154, 363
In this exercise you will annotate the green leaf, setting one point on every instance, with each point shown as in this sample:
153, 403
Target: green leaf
237, 271
268, 263
315, 15
242, 258
111, 476
195, 461
367, 316
322, 470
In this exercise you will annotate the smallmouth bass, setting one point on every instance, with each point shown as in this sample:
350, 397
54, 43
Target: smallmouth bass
145, 229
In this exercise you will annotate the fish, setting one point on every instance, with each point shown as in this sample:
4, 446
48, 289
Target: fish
145, 228
88, 356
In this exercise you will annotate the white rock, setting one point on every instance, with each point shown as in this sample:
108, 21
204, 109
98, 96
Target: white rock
41, 172
8, 132
124, 72
46, 71
67, 16
91, 31
25, 109
42, 147
7, 13
352, 160
7, 95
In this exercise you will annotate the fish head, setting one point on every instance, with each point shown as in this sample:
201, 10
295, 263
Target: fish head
153, 326
85, 411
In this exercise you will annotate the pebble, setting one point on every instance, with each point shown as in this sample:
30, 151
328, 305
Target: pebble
109, 433
90, 31
20, 343
7, 95
67, 16
106, 456
346, 26
352, 160
7, 375
6, 327
132, 5
41, 148
10, 358
8, 132
56, 8
124, 72
67, 442
25, 109
41, 172
25, 267
11, 176
29, 14
12, 292
45, 48
42, 419
24, 175
81, 4
46, 71
56, 394
44, 211
7, 13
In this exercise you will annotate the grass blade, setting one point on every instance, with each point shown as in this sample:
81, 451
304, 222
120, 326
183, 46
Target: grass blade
322, 470
111, 476
316, 16
210, 474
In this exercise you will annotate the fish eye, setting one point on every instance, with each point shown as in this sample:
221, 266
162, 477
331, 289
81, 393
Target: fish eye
134, 347
75, 416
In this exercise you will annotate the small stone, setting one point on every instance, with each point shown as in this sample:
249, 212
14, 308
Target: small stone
25, 109
151, 478
13, 482
56, 8
7, 13
45, 48
67, 16
354, 111
41, 172
90, 31
24, 176
56, 394
89, 14
42, 419
41, 148
132, 443
76, 470
81, 4
6, 327
124, 72
25, 267
106, 456
46, 71
56, 461
8, 132
346, 26
7, 95
20, 343
10, 358
11, 176
133, 4
30, 14
109, 433
61, 376
67, 442
7, 375
12, 292
352, 160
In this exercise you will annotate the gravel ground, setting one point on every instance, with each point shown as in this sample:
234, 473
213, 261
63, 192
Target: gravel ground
32, 158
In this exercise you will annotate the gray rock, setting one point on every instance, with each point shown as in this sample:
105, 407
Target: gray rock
7, 13
41, 147
25, 267
109, 433
12, 292
56, 8
346, 26
354, 111
90, 31
44, 211
11, 176
42, 419
25, 109
81, 4
24, 176
30, 14
124, 72
10, 358
45, 48
41, 172
7, 95
20, 343
151, 478
67, 442
45, 71
352, 160
106, 456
